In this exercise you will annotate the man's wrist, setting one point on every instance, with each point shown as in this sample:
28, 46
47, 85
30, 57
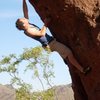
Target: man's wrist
45, 25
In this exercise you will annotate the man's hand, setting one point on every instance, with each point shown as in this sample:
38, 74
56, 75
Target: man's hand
47, 21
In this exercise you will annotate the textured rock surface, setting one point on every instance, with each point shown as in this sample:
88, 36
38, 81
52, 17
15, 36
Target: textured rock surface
75, 23
7, 93
63, 92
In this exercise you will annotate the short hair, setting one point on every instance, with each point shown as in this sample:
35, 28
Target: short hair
19, 24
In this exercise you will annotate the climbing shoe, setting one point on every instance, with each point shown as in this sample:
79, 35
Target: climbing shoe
86, 70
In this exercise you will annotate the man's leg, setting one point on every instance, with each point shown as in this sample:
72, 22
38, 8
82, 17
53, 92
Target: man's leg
74, 62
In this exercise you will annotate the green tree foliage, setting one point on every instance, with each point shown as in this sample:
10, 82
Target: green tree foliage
23, 93
33, 57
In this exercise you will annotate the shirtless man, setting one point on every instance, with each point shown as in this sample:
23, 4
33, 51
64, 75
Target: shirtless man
47, 41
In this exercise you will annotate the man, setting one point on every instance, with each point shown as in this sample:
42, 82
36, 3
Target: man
47, 41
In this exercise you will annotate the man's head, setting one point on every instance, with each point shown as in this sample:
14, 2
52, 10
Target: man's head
22, 23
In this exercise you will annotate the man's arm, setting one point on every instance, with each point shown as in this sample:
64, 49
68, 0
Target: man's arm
43, 29
25, 9
34, 32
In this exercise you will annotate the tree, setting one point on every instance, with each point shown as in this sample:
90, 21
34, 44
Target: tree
33, 57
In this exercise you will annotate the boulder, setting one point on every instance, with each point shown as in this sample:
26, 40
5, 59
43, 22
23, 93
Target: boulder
76, 23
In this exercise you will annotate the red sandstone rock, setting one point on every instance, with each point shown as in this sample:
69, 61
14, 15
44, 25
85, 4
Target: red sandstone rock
75, 23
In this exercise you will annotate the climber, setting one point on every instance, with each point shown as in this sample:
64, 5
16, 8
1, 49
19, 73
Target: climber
47, 41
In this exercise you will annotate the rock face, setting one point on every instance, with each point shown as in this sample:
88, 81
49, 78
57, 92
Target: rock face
76, 23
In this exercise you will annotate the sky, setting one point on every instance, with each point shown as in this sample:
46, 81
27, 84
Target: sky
13, 41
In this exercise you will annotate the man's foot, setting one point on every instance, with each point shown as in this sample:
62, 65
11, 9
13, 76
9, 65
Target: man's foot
86, 70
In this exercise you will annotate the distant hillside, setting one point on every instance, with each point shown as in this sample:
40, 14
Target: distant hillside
61, 92
64, 92
7, 92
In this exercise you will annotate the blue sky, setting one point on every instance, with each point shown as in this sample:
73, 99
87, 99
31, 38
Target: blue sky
13, 40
